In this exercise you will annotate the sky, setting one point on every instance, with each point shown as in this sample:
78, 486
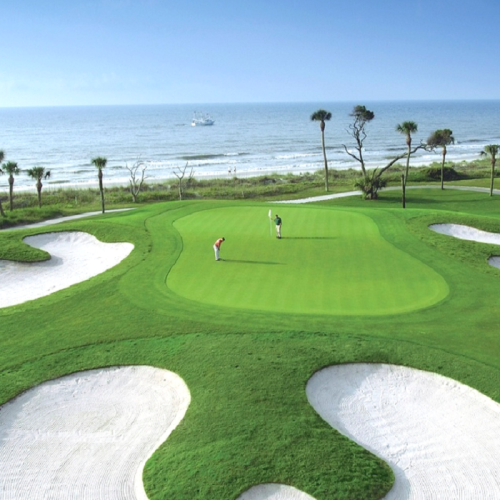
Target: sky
108, 52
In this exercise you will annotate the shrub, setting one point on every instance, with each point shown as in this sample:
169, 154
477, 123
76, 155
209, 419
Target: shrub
371, 184
433, 173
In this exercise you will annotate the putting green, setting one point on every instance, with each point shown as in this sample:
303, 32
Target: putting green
328, 262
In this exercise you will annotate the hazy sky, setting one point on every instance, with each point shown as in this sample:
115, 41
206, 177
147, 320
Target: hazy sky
81, 52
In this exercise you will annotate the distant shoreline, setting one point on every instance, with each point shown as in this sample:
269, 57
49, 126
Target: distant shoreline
244, 174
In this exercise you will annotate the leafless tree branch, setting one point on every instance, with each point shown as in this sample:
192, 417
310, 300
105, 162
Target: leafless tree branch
180, 175
136, 179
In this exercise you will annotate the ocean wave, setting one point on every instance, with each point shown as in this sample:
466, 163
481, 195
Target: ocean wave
163, 138
476, 147
474, 141
222, 163
293, 156
209, 156
200, 157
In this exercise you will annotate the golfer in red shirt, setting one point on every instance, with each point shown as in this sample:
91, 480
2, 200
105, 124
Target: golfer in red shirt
217, 245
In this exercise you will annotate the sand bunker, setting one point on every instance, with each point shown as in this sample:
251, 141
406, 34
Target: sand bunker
75, 257
470, 234
441, 438
271, 491
466, 233
88, 435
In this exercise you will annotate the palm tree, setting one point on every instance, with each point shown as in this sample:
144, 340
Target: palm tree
491, 150
12, 169
322, 116
2, 156
407, 128
441, 138
38, 173
100, 163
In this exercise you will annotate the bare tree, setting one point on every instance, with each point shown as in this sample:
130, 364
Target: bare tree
191, 177
180, 175
362, 117
137, 178
371, 181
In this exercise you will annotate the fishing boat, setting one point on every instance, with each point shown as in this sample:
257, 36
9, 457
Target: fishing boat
201, 120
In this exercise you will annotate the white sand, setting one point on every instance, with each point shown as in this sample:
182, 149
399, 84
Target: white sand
470, 234
75, 257
466, 233
271, 491
441, 438
87, 436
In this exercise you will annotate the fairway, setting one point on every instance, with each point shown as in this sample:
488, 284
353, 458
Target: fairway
350, 284
328, 262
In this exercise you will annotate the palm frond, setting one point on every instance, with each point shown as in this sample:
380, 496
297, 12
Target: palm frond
99, 162
11, 168
407, 128
321, 115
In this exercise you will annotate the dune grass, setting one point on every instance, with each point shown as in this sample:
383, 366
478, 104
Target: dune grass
64, 201
249, 421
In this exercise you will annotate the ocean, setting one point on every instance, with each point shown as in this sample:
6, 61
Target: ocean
246, 139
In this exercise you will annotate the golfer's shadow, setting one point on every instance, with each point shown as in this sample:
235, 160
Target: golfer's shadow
268, 263
309, 238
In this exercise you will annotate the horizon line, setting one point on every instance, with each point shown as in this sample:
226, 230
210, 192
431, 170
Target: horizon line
317, 102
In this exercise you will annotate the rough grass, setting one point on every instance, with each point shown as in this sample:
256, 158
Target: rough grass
249, 420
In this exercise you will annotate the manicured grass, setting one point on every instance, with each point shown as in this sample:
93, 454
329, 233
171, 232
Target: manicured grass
328, 262
249, 420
